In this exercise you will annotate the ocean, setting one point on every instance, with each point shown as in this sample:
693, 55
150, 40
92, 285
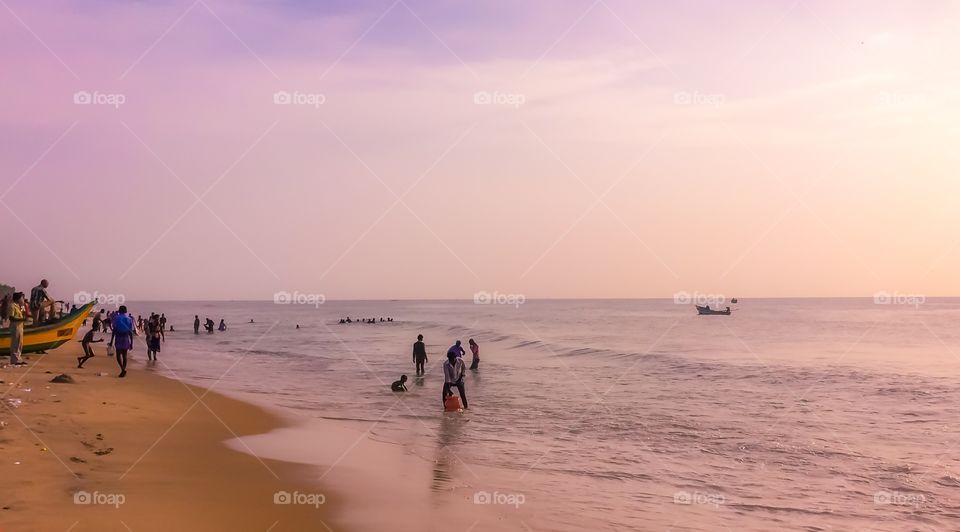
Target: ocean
790, 414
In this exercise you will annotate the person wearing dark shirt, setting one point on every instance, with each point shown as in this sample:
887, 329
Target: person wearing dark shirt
419, 355
153, 337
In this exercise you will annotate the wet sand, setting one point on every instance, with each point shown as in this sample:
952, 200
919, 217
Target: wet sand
140, 453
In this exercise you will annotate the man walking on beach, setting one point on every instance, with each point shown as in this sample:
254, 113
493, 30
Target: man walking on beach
16, 329
122, 337
419, 355
453, 370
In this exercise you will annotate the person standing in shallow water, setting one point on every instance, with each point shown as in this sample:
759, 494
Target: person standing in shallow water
122, 337
475, 349
453, 370
153, 337
419, 355
456, 349
196, 324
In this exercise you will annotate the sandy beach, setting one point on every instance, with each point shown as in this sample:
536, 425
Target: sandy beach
141, 453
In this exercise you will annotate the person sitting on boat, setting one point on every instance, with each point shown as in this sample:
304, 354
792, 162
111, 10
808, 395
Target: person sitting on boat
41, 304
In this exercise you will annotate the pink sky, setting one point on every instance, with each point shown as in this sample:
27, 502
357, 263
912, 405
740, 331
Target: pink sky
751, 148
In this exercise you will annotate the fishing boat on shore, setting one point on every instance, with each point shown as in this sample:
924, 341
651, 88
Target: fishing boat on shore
48, 335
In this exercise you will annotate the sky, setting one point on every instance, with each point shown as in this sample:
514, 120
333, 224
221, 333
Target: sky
364, 149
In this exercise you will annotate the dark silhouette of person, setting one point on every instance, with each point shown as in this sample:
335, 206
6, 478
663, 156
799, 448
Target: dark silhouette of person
419, 355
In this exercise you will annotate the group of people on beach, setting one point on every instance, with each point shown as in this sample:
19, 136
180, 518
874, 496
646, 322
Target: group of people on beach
122, 329
454, 370
121, 325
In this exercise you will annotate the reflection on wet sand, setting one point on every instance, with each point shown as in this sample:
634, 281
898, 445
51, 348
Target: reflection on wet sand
448, 433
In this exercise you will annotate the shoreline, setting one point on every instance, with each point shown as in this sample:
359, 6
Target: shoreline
147, 452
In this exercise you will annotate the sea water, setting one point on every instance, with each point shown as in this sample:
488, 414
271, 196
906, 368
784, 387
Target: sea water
798, 414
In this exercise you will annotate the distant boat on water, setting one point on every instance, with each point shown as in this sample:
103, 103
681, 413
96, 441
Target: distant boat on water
707, 311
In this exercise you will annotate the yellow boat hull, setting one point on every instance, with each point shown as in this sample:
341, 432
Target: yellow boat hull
49, 336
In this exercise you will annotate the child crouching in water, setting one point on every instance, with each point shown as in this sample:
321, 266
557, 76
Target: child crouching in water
400, 385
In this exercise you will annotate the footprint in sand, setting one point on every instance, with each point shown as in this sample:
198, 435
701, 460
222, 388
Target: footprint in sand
102, 452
